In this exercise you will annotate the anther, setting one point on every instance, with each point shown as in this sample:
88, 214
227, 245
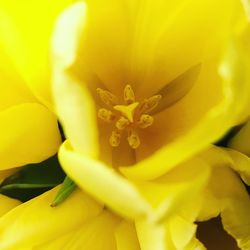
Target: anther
150, 103
122, 123
145, 121
107, 97
129, 95
115, 139
106, 115
133, 139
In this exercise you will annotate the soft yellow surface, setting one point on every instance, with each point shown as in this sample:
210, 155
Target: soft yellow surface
131, 198
29, 132
105, 231
36, 222
26, 29
95, 234
7, 204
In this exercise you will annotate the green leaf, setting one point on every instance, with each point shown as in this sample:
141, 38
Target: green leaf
67, 188
33, 180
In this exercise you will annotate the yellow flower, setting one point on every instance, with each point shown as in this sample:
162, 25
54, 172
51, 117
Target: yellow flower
140, 87
82, 222
114, 73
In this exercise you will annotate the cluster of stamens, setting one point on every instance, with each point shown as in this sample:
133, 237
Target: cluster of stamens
128, 117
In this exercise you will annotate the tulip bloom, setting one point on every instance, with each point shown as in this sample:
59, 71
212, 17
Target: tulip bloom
142, 98
140, 88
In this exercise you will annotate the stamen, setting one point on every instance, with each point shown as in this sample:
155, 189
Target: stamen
122, 123
115, 139
129, 95
107, 97
106, 115
127, 117
145, 121
133, 139
150, 103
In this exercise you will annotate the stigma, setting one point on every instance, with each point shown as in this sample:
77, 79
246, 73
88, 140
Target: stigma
128, 116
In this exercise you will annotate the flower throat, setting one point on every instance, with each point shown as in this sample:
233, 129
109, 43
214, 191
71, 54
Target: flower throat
127, 117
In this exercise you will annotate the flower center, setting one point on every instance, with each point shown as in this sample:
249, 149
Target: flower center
127, 117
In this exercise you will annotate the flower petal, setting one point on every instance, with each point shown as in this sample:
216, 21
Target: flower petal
7, 204
182, 231
38, 217
74, 106
103, 183
173, 191
29, 132
134, 198
126, 236
241, 164
241, 140
150, 235
95, 234
26, 28
170, 47
234, 204
13, 89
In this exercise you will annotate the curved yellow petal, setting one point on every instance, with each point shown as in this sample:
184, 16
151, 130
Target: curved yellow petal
195, 244
126, 236
234, 203
235, 69
133, 198
74, 106
182, 231
57, 243
26, 29
35, 222
29, 132
246, 4
96, 234
170, 48
241, 140
241, 164
151, 235
173, 191
7, 204
103, 183
13, 89
211, 206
